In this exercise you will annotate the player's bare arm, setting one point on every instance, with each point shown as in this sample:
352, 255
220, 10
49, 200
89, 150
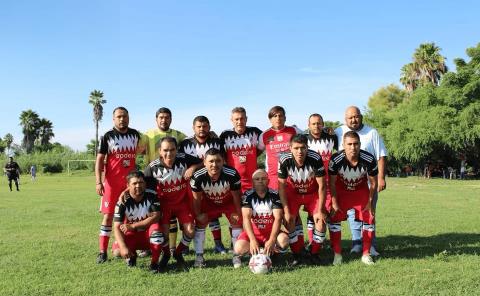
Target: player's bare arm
144, 224
189, 172
373, 180
247, 226
237, 202
98, 173
197, 204
382, 164
277, 223
322, 212
120, 238
333, 194
283, 198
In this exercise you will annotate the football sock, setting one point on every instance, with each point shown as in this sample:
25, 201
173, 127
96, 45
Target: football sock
104, 237
318, 239
199, 240
183, 245
310, 227
335, 237
156, 241
368, 232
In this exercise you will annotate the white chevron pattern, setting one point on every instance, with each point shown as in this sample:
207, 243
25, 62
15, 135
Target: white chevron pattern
237, 142
170, 176
199, 150
262, 208
352, 174
217, 189
122, 143
301, 175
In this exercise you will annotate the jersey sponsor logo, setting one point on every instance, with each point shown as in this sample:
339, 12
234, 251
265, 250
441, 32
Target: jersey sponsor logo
262, 222
279, 147
122, 143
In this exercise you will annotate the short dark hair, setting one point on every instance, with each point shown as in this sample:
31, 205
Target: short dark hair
135, 174
300, 139
163, 110
239, 110
201, 118
213, 151
351, 134
315, 115
274, 110
120, 108
168, 139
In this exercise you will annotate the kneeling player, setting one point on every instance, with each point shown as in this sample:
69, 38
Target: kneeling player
216, 191
301, 182
262, 218
350, 172
136, 218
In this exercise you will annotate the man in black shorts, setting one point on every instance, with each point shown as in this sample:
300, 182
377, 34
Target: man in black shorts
13, 172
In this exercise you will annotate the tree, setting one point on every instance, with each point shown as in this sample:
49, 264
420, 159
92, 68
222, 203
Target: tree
8, 139
45, 132
381, 103
409, 77
29, 121
91, 147
96, 99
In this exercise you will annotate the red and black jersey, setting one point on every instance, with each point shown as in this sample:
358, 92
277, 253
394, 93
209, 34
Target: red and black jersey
325, 146
194, 148
241, 152
128, 210
121, 151
262, 208
301, 178
351, 177
169, 183
217, 192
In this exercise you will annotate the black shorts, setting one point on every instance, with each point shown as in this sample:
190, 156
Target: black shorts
12, 177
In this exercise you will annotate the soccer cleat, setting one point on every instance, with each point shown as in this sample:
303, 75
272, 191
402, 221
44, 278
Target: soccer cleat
154, 268
337, 259
220, 249
162, 265
237, 261
181, 264
296, 260
199, 261
102, 257
356, 249
131, 262
367, 259
314, 259
373, 252
144, 253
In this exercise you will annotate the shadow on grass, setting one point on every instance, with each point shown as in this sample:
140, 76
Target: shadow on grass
411, 246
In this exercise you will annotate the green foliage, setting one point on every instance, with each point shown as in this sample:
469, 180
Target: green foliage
332, 124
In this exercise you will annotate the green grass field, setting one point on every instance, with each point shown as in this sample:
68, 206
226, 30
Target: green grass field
428, 233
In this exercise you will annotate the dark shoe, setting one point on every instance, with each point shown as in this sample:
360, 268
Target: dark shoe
131, 262
220, 249
102, 257
181, 263
162, 265
297, 259
154, 268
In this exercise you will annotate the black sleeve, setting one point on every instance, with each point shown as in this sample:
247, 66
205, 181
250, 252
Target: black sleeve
319, 170
150, 181
155, 204
335, 142
332, 168
247, 202
282, 170
276, 202
103, 147
191, 160
373, 168
195, 184
119, 215
235, 183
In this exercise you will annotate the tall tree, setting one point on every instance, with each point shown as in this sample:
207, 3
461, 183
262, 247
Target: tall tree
409, 77
97, 101
45, 132
8, 139
430, 63
29, 121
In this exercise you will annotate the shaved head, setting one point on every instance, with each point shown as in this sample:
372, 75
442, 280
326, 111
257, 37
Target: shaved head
353, 118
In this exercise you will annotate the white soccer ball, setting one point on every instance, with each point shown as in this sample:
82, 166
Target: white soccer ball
260, 264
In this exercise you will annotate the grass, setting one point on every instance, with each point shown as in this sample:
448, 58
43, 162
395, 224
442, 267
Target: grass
428, 233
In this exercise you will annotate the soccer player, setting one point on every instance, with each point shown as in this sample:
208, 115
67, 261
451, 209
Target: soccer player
325, 144
372, 143
262, 213
201, 141
216, 191
241, 146
275, 141
117, 153
163, 118
136, 222
301, 182
13, 173
170, 174
351, 170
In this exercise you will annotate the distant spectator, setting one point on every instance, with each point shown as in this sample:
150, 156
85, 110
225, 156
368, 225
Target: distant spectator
33, 172
463, 169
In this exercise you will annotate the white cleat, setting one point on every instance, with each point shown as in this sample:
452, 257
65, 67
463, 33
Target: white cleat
199, 261
356, 249
373, 252
337, 259
237, 262
367, 260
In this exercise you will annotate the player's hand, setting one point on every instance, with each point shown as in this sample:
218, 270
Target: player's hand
254, 248
335, 207
369, 208
382, 184
188, 173
202, 218
99, 188
235, 218
288, 217
126, 227
322, 216
269, 247
125, 252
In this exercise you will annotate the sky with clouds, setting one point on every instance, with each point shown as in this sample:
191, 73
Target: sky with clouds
206, 57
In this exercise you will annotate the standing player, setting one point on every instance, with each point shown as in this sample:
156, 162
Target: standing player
202, 141
216, 191
170, 174
262, 218
241, 146
275, 141
351, 170
325, 145
119, 146
13, 173
372, 143
136, 222
301, 182
163, 118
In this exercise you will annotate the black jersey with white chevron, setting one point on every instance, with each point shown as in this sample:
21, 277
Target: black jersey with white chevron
218, 191
128, 210
262, 208
193, 147
352, 177
301, 178
325, 146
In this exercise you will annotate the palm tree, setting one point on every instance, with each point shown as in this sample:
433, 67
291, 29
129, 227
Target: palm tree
96, 99
409, 77
29, 121
45, 132
8, 139
430, 63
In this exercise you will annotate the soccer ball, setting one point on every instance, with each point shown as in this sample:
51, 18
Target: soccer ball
260, 264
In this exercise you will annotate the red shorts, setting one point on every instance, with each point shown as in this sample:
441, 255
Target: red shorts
356, 200
215, 211
309, 201
138, 240
111, 193
182, 211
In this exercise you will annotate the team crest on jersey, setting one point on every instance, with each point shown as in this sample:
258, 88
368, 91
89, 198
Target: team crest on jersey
280, 138
122, 143
270, 139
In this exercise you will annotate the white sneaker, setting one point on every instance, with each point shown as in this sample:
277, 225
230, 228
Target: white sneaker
199, 261
337, 259
356, 249
373, 252
237, 262
367, 259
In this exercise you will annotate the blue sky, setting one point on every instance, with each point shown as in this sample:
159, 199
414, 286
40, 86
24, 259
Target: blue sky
206, 57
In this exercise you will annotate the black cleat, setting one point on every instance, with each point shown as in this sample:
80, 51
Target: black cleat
181, 263
162, 265
102, 257
154, 268
131, 262
297, 260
